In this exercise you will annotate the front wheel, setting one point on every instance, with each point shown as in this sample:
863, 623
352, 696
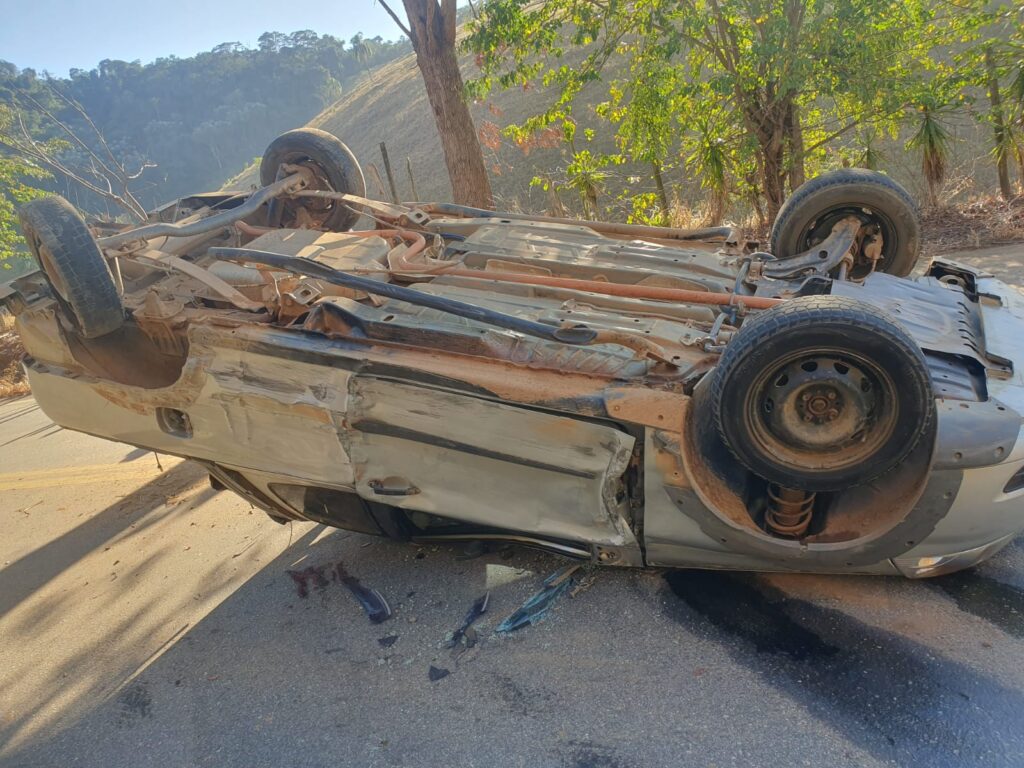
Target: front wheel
822, 393
890, 238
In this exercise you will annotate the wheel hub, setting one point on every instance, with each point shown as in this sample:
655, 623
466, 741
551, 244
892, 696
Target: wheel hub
818, 403
870, 243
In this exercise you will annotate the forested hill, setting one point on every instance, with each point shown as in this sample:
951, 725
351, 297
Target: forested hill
196, 120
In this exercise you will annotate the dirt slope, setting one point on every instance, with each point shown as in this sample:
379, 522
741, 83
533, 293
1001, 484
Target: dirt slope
390, 105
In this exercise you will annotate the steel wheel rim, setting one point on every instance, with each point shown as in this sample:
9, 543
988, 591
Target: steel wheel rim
779, 402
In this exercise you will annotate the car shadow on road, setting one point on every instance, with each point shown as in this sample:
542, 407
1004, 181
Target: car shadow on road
130, 514
274, 658
640, 669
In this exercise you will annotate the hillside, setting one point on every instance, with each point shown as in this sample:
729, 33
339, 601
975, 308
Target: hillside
390, 105
187, 122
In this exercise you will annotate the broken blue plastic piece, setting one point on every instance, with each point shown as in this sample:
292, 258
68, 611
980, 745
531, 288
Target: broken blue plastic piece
465, 634
372, 601
534, 609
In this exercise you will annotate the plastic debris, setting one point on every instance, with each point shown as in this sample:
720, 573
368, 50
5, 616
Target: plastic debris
465, 634
534, 609
372, 601
437, 673
388, 641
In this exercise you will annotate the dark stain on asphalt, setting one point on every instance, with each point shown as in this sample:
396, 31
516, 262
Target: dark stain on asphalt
587, 754
135, 703
986, 598
770, 629
513, 695
521, 698
312, 575
897, 699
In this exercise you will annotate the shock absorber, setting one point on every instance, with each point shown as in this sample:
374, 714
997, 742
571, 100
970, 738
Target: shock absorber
789, 511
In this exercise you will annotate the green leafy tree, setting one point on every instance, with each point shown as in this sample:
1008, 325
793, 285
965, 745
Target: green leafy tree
15, 189
793, 75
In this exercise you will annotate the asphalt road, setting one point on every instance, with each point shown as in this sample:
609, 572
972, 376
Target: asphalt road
147, 621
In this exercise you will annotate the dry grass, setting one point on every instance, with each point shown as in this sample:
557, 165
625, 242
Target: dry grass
981, 222
12, 377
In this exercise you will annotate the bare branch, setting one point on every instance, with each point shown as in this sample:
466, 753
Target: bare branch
85, 116
67, 130
29, 147
121, 174
141, 170
397, 20
106, 170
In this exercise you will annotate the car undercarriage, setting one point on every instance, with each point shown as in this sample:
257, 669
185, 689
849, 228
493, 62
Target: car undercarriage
633, 395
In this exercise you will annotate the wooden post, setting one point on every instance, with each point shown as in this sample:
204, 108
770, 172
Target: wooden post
412, 180
375, 175
387, 170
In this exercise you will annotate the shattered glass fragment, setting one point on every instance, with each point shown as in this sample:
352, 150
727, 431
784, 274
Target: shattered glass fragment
534, 609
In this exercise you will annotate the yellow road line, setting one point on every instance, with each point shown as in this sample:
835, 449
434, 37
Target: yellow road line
87, 475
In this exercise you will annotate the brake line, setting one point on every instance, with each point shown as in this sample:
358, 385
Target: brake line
579, 335
399, 264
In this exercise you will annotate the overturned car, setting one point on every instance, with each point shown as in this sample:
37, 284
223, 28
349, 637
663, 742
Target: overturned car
628, 394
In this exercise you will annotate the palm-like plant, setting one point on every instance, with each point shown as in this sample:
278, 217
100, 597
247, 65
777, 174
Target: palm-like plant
587, 176
708, 160
869, 154
933, 140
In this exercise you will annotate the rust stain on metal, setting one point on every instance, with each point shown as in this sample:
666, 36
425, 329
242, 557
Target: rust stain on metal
650, 407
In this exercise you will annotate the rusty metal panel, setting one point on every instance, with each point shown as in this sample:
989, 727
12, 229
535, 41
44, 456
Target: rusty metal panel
486, 462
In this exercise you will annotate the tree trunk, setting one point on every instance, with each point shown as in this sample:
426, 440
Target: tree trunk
659, 182
1019, 150
773, 167
432, 32
795, 140
767, 124
717, 206
998, 126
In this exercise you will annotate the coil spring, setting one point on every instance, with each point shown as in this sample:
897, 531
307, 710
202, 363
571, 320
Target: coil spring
789, 511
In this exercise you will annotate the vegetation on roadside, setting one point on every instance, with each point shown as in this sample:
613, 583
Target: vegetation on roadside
12, 375
657, 111
750, 97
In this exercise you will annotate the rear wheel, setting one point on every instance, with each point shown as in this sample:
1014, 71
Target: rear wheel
74, 267
822, 393
891, 228
334, 168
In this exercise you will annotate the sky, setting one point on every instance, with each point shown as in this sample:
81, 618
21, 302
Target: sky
58, 35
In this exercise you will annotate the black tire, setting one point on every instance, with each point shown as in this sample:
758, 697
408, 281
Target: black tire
333, 163
822, 393
807, 216
74, 267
